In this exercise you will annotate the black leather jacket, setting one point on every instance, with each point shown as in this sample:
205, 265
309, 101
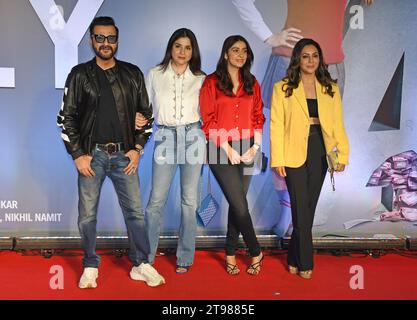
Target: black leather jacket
81, 97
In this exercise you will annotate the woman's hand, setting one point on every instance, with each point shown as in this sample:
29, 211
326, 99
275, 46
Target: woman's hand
140, 121
281, 171
249, 155
233, 155
340, 167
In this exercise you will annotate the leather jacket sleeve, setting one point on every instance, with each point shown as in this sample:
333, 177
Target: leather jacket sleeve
68, 117
145, 108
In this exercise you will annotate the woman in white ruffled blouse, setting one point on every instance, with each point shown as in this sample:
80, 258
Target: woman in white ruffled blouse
174, 87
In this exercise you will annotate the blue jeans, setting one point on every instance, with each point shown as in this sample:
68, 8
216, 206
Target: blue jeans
127, 189
183, 147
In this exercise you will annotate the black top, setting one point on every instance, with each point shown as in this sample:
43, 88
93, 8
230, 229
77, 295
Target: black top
313, 108
107, 126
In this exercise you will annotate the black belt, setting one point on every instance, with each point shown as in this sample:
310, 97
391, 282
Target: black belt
110, 147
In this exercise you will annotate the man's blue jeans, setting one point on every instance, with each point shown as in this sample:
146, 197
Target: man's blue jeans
182, 147
128, 193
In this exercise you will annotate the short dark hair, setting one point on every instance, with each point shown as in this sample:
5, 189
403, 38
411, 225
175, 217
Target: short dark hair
103, 21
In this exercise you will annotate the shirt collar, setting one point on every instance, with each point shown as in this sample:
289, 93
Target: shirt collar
187, 72
112, 70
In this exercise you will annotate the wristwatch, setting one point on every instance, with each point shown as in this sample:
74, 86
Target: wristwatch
141, 151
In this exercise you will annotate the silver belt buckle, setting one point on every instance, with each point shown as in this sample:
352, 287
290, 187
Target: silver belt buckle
111, 148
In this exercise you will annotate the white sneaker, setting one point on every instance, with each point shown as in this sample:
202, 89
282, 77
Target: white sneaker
88, 278
145, 272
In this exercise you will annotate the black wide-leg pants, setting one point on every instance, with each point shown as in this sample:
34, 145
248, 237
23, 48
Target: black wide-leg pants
304, 186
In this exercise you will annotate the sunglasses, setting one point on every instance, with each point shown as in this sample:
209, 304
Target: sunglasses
100, 38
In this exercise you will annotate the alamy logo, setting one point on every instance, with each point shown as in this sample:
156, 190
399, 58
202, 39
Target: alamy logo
357, 21
357, 281
57, 280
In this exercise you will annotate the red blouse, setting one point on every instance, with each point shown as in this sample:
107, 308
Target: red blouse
230, 118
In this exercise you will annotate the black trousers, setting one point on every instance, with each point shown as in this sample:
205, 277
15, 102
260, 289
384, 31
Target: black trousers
235, 184
304, 186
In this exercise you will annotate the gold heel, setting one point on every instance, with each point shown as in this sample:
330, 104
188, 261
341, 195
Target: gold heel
292, 269
306, 274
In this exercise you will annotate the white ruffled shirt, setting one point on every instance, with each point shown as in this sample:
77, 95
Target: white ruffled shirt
175, 99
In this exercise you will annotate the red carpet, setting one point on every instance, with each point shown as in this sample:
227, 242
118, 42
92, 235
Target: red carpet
389, 277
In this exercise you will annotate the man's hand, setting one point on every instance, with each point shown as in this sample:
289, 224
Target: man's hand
83, 165
134, 162
368, 2
140, 121
284, 38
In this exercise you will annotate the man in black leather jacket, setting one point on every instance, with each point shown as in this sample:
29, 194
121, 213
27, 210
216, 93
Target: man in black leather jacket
97, 119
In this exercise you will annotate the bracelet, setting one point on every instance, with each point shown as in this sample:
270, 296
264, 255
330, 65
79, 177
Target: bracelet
141, 151
256, 146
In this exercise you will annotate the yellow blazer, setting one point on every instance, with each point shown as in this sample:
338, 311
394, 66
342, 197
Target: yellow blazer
290, 125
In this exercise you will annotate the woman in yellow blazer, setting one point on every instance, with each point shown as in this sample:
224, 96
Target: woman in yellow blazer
306, 124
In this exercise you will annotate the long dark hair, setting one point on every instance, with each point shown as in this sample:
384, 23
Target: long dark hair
293, 77
224, 81
195, 62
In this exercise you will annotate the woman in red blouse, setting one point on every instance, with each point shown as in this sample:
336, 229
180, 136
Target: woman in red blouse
231, 109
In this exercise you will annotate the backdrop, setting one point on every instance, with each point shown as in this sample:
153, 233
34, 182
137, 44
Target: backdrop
42, 39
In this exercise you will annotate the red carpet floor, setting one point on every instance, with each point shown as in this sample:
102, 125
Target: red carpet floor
389, 277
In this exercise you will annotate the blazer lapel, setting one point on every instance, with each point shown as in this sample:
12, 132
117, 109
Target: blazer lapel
301, 98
